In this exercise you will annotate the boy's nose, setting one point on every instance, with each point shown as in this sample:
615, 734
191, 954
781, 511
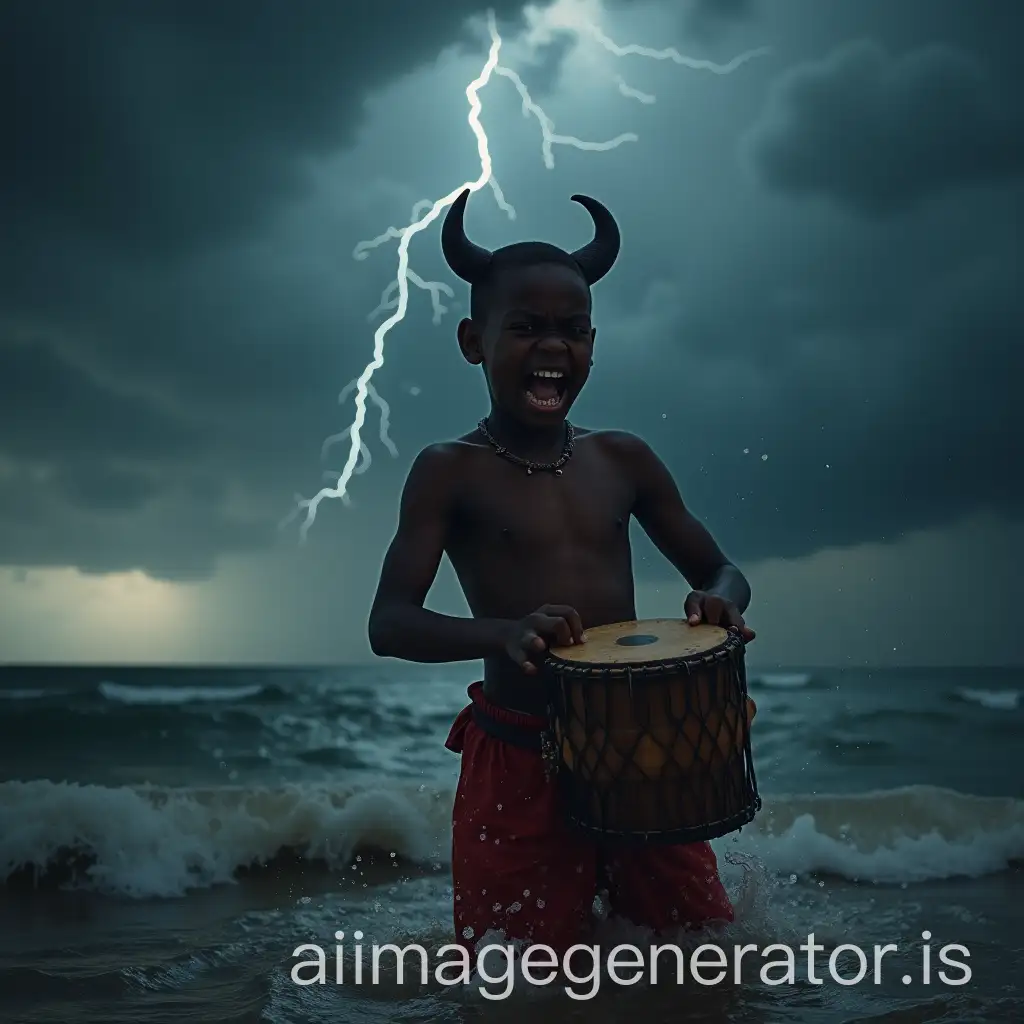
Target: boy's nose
551, 340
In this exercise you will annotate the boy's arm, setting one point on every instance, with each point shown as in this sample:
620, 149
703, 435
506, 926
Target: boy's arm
399, 626
720, 591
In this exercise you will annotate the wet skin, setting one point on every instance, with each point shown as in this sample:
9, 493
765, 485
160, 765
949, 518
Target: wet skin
519, 541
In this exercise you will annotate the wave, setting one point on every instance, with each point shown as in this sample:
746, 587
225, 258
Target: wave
123, 693
30, 694
907, 835
151, 842
162, 842
995, 700
781, 680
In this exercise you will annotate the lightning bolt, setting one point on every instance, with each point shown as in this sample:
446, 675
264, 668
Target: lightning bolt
633, 94
672, 54
395, 296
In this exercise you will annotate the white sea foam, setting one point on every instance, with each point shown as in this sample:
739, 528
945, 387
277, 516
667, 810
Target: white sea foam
155, 842
906, 835
781, 680
164, 842
996, 700
124, 694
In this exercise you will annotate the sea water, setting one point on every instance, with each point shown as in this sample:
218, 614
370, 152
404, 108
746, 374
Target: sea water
168, 838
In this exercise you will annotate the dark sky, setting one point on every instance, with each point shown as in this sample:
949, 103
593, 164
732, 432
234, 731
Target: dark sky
816, 318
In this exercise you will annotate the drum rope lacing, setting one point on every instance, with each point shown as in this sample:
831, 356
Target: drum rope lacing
728, 794
531, 467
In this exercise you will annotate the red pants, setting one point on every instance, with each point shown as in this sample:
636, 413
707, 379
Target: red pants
519, 868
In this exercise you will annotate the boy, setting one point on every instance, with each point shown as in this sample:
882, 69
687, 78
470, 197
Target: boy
534, 516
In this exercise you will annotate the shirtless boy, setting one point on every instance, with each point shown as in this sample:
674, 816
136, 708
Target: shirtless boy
534, 515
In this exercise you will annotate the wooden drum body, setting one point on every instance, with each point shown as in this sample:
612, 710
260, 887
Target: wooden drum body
651, 725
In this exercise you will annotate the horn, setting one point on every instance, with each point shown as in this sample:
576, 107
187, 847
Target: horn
597, 257
467, 260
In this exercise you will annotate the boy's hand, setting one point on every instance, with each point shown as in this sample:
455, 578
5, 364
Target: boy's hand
716, 611
551, 625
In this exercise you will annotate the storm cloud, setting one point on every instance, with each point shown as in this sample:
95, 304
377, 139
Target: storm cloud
816, 318
879, 132
159, 127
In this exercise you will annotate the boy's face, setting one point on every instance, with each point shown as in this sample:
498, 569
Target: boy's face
537, 342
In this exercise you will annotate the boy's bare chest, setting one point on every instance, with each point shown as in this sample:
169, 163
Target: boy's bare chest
538, 512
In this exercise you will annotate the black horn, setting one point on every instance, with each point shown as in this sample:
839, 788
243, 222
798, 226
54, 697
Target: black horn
469, 261
597, 258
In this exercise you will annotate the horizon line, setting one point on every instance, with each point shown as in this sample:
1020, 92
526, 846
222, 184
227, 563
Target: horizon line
284, 665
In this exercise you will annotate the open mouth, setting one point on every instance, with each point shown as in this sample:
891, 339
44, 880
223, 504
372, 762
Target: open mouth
545, 389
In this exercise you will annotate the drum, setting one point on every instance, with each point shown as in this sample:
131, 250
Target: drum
650, 723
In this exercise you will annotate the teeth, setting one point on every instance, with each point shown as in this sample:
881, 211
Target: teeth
548, 402
548, 373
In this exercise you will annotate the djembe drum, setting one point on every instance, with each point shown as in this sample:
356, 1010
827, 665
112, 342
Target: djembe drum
651, 728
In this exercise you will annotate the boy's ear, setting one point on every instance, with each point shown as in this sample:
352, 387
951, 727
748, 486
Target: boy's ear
471, 342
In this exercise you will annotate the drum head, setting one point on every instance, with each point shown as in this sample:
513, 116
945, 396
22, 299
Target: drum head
649, 640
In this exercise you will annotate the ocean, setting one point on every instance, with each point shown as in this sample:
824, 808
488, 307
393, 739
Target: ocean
169, 836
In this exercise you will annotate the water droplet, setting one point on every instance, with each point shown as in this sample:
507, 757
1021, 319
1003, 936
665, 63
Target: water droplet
764, 458
746, 451
541, 904
499, 807
467, 932
496, 907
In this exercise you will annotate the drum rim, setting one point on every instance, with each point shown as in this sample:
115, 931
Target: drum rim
729, 645
673, 836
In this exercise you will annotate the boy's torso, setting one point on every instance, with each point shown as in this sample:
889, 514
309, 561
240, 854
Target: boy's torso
518, 541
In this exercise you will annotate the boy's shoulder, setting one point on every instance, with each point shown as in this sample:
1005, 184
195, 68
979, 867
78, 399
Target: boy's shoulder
442, 457
448, 451
616, 442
